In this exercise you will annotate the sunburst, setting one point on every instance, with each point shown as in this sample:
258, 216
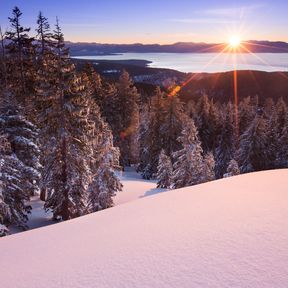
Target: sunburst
234, 41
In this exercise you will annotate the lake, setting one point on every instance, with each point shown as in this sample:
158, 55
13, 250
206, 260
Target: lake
206, 62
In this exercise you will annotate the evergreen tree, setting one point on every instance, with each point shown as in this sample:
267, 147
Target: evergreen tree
280, 133
99, 90
164, 171
65, 130
3, 206
173, 123
151, 134
207, 122
209, 168
123, 123
282, 155
246, 114
13, 196
272, 126
282, 151
21, 54
188, 165
44, 36
232, 169
253, 154
105, 183
3, 62
226, 144
22, 136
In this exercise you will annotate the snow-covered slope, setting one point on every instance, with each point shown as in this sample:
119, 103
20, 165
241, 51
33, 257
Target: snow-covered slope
227, 233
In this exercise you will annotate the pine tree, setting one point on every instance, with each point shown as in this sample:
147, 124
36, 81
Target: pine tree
151, 134
21, 54
207, 121
270, 116
100, 90
280, 133
3, 62
164, 171
188, 165
62, 97
23, 138
282, 151
246, 114
105, 183
282, 155
13, 196
232, 169
122, 105
208, 167
3, 206
227, 142
173, 123
253, 154
44, 36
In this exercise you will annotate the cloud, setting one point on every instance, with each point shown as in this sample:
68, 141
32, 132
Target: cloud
85, 25
227, 15
203, 20
231, 11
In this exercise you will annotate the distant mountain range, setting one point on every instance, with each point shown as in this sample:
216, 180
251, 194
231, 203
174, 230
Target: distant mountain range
90, 49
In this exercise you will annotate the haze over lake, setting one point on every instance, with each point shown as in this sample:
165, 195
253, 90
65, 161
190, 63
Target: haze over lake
206, 62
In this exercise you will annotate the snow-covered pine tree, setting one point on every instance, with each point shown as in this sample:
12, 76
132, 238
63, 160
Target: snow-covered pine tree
270, 115
280, 132
253, 154
164, 171
3, 230
151, 137
65, 130
173, 123
105, 183
246, 114
105, 157
208, 167
124, 125
134, 139
227, 142
3, 205
282, 154
207, 122
100, 90
232, 169
188, 165
23, 138
14, 196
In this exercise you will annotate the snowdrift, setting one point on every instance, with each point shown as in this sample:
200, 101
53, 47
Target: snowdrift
227, 233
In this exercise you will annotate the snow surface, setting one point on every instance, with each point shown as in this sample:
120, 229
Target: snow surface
134, 187
227, 233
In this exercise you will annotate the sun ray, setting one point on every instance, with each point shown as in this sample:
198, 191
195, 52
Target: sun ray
263, 45
213, 47
175, 90
263, 61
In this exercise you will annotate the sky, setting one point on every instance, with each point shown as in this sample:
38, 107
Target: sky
157, 21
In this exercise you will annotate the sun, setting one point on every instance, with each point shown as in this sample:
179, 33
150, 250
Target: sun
234, 41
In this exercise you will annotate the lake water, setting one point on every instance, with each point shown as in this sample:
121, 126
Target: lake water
206, 62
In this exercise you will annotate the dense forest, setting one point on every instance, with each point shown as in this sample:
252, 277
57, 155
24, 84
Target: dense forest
64, 132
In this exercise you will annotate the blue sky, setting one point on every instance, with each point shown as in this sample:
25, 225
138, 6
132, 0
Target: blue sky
158, 21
